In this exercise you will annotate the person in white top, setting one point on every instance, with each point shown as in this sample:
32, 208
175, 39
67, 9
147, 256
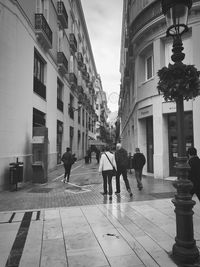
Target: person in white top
107, 162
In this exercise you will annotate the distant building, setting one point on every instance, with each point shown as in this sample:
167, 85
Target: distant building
146, 120
47, 75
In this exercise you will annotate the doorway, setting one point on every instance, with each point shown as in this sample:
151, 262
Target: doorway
173, 141
149, 131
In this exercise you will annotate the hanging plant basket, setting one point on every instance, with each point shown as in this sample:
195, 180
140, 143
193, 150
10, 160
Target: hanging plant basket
179, 80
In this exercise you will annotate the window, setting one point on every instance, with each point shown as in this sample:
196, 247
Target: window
38, 67
83, 117
71, 105
59, 95
38, 84
38, 118
149, 67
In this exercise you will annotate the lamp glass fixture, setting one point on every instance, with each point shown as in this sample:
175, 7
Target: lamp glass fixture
176, 19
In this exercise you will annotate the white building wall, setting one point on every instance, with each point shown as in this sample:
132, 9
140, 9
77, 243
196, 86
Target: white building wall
16, 79
17, 99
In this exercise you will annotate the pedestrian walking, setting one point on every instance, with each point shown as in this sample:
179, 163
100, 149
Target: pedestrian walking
97, 155
106, 165
194, 172
121, 158
130, 161
139, 161
89, 155
68, 159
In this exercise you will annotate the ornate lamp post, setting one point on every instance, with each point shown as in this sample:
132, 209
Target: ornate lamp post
184, 250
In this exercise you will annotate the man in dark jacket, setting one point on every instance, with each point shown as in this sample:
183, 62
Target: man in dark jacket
138, 164
194, 172
68, 159
121, 158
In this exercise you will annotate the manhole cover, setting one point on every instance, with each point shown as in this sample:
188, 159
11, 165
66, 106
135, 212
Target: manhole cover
163, 195
40, 190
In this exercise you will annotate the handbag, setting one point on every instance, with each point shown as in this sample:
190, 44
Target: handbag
114, 171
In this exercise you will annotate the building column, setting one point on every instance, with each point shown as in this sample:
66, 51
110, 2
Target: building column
161, 151
160, 126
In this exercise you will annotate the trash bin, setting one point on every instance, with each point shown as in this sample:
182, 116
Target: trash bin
13, 173
16, 172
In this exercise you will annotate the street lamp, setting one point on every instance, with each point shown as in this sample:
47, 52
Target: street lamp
185, 249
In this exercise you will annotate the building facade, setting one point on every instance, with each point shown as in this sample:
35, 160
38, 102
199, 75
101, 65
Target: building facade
147, 121
47, 76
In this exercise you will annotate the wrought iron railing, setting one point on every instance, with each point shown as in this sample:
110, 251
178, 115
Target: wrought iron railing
62, 60
148, 14
73, 42
42, 25
62, 14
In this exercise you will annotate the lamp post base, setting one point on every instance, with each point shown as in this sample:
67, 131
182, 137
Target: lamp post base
185, 249
185, 255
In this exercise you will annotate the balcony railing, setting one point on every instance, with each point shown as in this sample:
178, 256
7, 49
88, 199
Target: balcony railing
84, 69
72, 79
80, 89
59, 104
62, 62
62, 14
87, 77
39, 88
43, 31
80, 59
73, 42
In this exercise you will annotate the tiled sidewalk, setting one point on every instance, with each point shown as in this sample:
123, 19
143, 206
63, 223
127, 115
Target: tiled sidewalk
84, 189
133, 234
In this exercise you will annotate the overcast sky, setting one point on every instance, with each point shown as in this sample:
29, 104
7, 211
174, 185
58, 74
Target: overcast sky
104, 20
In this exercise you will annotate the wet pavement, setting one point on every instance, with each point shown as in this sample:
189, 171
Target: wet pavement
83, 189
73, 225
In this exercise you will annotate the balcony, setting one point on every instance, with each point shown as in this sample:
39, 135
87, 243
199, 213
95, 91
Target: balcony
147, 15
73, 42
62, 14
39, 88
43, 31
62, 62
80, 89
84, 69
59, 104
87, 77
80, 59
72, 79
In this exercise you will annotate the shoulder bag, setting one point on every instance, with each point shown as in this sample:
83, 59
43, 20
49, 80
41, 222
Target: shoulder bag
114, 171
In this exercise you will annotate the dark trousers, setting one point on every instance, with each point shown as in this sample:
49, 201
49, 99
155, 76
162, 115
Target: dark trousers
125, 178
138, 176
107, 180
67, 171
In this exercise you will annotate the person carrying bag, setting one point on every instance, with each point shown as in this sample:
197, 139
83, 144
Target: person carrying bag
106, 166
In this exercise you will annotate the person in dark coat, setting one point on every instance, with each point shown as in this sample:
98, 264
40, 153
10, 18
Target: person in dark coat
194, 172
89, 155
121, 158
68, 159
97, 155
139, 161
